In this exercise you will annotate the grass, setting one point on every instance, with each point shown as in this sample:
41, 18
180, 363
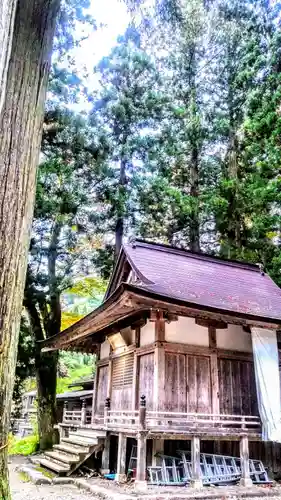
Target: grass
23, 446
30, 444
23, 477
45, 472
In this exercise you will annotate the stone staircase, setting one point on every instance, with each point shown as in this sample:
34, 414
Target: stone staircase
66, 457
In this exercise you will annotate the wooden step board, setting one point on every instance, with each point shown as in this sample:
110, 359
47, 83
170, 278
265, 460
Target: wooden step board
60, 469
66, 457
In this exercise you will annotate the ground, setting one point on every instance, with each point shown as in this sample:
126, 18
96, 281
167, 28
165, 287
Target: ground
21, 489
25, 490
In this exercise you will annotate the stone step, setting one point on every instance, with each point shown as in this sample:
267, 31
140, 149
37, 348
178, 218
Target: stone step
62, 457
54, 466
82, 440
72, 450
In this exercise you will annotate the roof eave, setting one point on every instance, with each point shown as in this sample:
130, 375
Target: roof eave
130, 298
250, 318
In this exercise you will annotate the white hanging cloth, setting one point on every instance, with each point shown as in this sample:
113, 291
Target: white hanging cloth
267, 376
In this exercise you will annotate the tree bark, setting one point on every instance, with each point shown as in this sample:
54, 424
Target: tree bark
194, 193
234, 226
7, 17
194, 229
46, 364
25, 70
46, 377
119, 229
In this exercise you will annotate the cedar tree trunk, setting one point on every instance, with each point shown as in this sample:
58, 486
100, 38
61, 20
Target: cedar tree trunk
194, 228
24, 67
7, 16
46, 377
119, 229
46, 364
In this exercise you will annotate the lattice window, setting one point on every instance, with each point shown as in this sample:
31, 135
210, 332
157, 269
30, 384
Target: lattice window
122, 373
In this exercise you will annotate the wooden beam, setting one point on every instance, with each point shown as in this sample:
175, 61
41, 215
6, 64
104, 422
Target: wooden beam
244, 457
121, 458
171, 317
196, 481
160, 327
191, 311
176, 347
218, 324
212, 337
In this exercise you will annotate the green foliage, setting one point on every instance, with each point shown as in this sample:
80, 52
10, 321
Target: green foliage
23, 446
74, 375
182, 145
126, 109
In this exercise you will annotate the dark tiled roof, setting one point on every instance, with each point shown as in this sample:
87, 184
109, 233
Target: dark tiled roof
205, 280
76, 394
87, 380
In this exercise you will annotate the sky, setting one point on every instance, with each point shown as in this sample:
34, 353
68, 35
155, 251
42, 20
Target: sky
112, 18
113, 14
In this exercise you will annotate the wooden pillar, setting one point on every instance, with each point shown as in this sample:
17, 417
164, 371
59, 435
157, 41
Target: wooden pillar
142, 413
83, 412
121, 458
140, 482
65, 407
244, 457
196, 481
95, 388
109, 379
159, 363
214, 370
136, 370
105, 456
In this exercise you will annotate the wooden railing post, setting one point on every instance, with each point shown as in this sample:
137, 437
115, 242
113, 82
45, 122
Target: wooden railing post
65, 406
83, 412
142, 413
106, 410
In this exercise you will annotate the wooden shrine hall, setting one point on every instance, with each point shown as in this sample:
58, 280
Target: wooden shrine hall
179, 340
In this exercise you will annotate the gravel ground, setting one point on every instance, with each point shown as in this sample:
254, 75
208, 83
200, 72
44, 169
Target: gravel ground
22, 490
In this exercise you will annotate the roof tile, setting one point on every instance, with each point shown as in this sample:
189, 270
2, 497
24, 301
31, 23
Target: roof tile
205, 280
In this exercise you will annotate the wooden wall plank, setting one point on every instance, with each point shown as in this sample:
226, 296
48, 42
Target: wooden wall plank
171, 382
237, 387
146, 379
203, 374
192, 384
102, 388
182, 383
